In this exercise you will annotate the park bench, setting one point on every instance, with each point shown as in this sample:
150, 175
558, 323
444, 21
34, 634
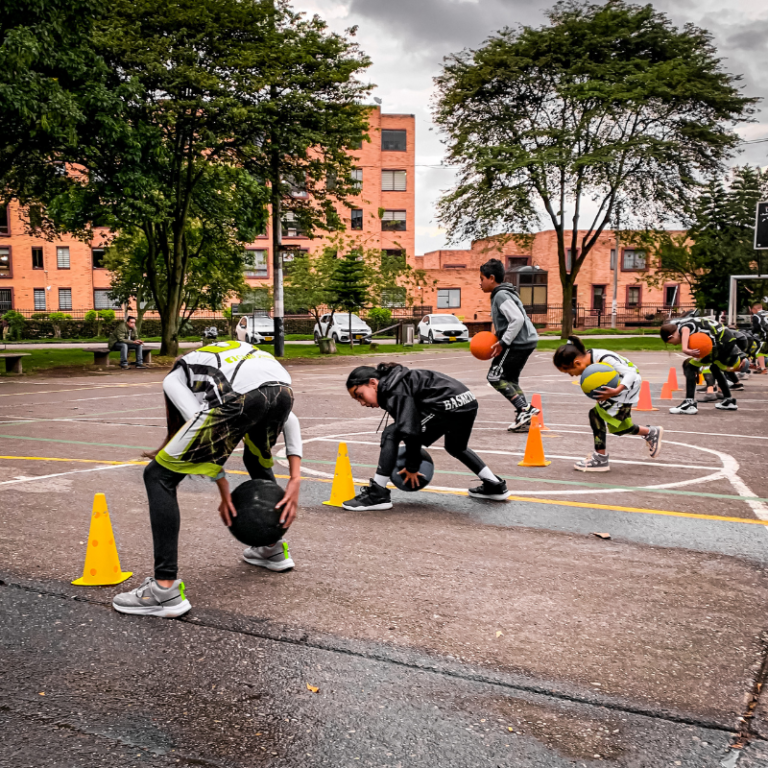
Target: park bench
101, 356
13, 361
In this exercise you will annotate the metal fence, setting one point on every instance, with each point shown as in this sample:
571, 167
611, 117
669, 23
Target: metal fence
627, 315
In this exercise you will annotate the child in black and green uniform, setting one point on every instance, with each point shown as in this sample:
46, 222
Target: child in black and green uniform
613, 412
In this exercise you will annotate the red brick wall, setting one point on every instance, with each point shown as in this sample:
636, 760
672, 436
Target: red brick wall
81, 278
543, 253
372, 159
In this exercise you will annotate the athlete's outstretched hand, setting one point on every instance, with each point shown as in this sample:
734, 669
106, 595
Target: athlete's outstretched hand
410, 477
226, 509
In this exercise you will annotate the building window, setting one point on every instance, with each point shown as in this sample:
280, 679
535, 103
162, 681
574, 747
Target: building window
393, 141
632, 260
62, 258
37, 258
394, 297
598, 297
448, 298
97, 254
517, 261
393, 221
634, 294
298, 187
291, 226
671, 295
357, 178
255, 263
5, 228
393, 181
101, 300
65, 298
5, 263
40, 299
6, 299
356, 219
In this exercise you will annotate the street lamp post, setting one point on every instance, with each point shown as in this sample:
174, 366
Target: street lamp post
614, 297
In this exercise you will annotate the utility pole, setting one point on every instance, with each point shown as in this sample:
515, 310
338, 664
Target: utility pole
277, 270
614, 297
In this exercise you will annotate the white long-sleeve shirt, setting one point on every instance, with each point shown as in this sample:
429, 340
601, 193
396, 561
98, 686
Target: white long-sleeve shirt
244, 367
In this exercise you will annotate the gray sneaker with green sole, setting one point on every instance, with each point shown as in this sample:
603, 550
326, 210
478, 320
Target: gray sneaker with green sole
150, 599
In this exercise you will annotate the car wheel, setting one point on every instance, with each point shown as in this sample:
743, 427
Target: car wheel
317, 337
430, 338
335, 338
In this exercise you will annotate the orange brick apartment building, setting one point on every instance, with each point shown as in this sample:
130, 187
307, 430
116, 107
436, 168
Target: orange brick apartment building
67, 275
457, 289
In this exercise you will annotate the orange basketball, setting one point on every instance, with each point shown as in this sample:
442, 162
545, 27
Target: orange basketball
480, 345
701, 342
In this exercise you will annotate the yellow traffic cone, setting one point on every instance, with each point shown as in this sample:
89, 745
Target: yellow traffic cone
534, 448
102, 565
343, 488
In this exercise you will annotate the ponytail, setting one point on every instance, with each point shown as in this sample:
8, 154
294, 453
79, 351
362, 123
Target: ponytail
667, 330
364, 373
567, 353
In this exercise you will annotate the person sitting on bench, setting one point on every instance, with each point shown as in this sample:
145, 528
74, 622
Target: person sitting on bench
123, 338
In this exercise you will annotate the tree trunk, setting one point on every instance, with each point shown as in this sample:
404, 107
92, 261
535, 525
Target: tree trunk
567, 325
170, 320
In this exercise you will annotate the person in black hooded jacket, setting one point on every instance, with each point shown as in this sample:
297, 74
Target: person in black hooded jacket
425, 406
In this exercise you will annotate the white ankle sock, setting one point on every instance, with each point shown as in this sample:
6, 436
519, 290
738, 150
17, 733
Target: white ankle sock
381, 480
486, 474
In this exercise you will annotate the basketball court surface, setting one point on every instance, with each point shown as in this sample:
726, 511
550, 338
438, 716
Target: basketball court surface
641, 649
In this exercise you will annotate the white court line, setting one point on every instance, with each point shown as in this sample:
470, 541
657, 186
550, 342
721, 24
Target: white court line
63, 474
66, 402
333, 438
670, 431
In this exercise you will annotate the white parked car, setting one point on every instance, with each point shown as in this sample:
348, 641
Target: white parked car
255, 330
339, 328
434, 328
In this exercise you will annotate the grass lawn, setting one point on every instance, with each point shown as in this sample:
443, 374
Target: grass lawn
48, 359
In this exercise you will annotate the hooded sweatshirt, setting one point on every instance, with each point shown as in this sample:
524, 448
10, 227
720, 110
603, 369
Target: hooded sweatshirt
513, 327
410, 396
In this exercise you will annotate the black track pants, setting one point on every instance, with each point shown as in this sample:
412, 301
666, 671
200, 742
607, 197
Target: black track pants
692, 378
455, 427
504, 375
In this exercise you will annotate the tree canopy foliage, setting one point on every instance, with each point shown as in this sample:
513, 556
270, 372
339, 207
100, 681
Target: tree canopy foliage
603, 106
179, 112
718, 244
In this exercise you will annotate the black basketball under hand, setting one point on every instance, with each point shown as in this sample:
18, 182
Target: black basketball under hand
258, 521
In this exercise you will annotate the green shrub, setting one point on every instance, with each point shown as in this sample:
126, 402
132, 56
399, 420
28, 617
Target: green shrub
379, 317
107, 314
39, 316
90, 316
16, 324
56, 317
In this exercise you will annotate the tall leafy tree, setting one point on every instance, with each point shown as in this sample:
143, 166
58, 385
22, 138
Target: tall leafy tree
183, 143
349, 285
718, 244
604, 105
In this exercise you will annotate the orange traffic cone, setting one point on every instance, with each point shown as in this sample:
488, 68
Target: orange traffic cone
534, 448
536, 403
343, 488
102, 564
672, 380
666, 391
701, 379
645, 404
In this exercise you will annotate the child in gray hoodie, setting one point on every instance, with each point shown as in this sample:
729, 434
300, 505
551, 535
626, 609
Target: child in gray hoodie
517, 340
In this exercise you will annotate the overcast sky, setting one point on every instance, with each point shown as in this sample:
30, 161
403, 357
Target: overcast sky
407, 39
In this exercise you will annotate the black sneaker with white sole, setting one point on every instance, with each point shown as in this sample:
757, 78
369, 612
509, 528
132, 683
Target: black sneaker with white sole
371, 499
729, 404
687, 408
736, 387
489, 490
523, 419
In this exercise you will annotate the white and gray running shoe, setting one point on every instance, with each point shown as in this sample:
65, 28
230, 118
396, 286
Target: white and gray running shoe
597, 462
729, 404
523, 419
687, 408
653, 441
275, 558
150, 599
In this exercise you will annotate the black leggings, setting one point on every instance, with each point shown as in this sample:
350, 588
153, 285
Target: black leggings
692, 378
456, 428
600, 428
504, 375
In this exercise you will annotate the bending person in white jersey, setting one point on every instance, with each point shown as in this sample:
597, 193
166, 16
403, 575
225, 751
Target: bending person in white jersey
216, 396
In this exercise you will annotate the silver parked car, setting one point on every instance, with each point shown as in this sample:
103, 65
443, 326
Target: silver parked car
339, 328
255, 330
